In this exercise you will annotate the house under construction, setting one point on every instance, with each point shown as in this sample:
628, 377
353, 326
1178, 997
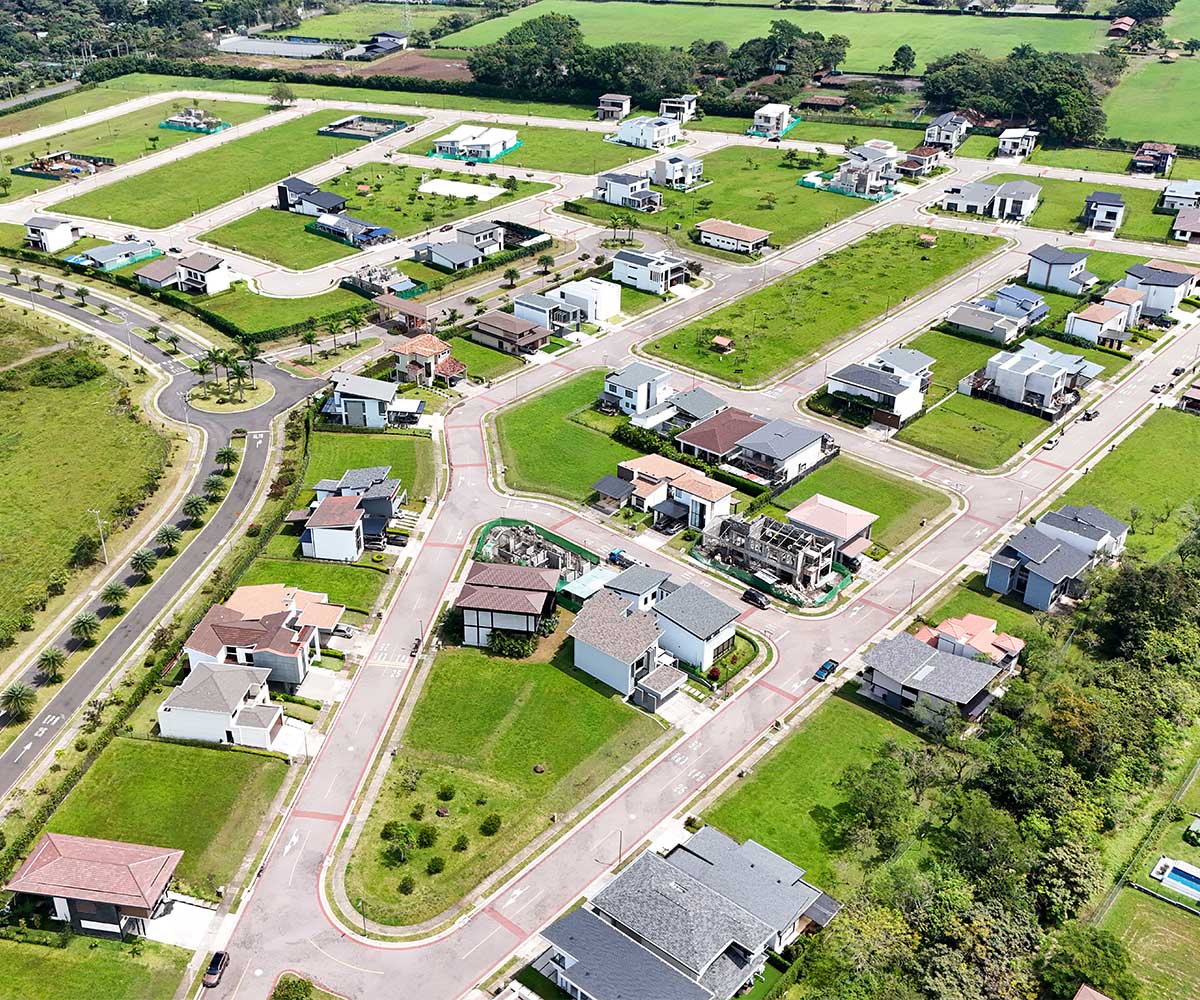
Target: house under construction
773, 551
524, 545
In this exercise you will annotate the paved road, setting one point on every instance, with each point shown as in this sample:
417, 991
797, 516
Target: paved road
36, 95
81, 686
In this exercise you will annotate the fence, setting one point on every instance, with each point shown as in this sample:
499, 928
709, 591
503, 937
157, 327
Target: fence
550, 536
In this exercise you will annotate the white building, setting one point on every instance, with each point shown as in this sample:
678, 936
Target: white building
648, 133
947, 130
894, 380
1103, 210
681, 108
1100, 324
222, 703
1060, 270
485, 237
1038, 376
599, 300
636, 388
628, 191
697, 628
359, 402
656, 273
725, 235
613, 107
771, 119
332, 530
505, 597
678, 171
1016, 142
1164, 284
1177, 194
204, 274
475, 142
1128, 300
50, 235
550, 313
869, 169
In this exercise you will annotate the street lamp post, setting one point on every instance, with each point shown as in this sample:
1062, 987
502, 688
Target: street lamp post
100, 526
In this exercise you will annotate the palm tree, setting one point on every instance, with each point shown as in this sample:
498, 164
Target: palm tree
227, 457
335, 328
18, 700
114, 595
545, 262
309, 338
50, 664
173, 339
194, 506
214, 486
37, 280
168, 536
59, 289
237, 374
16, 275
82, 294
144, 560
251, 352
512, 275
153, 330
214, 360
84, 627
358, 316
203, 369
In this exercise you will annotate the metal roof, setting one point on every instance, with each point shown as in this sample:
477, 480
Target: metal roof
869, 378
634, 375
367, 388
638, 579
779, 439
1048, 254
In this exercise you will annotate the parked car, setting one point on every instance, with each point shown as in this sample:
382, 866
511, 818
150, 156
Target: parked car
411, 128
216, 968
825, 669
1052, 443
1179, 371
131, 237
446, 228
756, 597
1090, 414
174, 249
1158, 387
775, 138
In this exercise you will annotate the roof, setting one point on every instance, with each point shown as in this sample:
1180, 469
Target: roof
324, 199
479, 228
631, 376
1126, 296
453, 251
1173, 265
699, 485
1019, 189
924, 152
977, 632
1048, 254
115, 251
256, 601
1085, 991
1048, 557
654, 466
99, 871
506, 575
523, 602
510, 327
1187, 220
545, 302
948, 118
773, 109
698, 402
615, 97
367, 388
1104, 198
424, 345
733, 230
610, 966
1147, 275
779, 439
870, 378
697, 611
297, 186
159, 269
828, 516
638, 580
721, 432
678, 914
975, 318
1176, 189
1087, 514
212, 687
605, 623
947, 676
1017, 133
45, 222
617, 177
613, 487
200, 261
1099, 313
335, 512
906, 359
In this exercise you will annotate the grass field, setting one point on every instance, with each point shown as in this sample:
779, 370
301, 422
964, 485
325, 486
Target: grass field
1162, 942
359, 22
789, 322
873, 38
357, 587
206, 802
21, 333
331, 453
479, 726
253, 312
1155, 100
545, 148
790, 801
535, 435
88, 967
973, 598
973, 431
170, 193
481, 361
279, 237
955, 357
1062, 205
900, 503
67, 107
1152, 471
1112, 161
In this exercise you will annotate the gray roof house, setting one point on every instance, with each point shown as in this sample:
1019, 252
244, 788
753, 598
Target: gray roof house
904, 672
781, 451
697, 627
681, 411
643, 585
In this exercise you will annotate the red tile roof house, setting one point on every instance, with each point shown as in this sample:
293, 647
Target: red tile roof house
973, 636
424, 359
506, 597
100, 887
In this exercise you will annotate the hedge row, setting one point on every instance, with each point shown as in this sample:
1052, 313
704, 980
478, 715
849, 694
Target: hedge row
645, 440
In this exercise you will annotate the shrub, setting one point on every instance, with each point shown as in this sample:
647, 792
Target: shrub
714, 674
427, 836
462, 843
437, 865
391, 829
254, 530
446, 793
293, 988
490, 825
418, 811
407, 884
513, 645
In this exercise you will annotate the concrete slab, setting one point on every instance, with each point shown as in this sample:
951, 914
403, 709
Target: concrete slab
185, 923
325, 686
297, 739
683, 712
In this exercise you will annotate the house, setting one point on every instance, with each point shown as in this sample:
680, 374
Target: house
504, 597
1019, 303
1163, 288
823, 102
1035, 378
772, 551
974, 198
424, 359
114, 256
194, 120
947, 130
678, 171
486, 237
613, 107
731, 236
697, 627
509, 333
553, 314
645, 132
677, 494
303, 198
894, 380
1176, 195
359, 402
597, 299
1016, 142
106, 888
222, 703
1060, 270
627, 191
973, 636
1103, 210
1186, 226
204, 274
413, 318
450, 256
1120, 27
1128, 300
331, 530
978, 321
475, 142
715, 439
636, 388
654, 272
49, 235
920, 161
641, 586
905, 673
1046, 561
869, 169
381, 43
680, 411
161, 272
1153, 158
681, 108
695, 925
847, 526
1016, 200
1100, 324
771, 120
781, 451
380, 495
349, 230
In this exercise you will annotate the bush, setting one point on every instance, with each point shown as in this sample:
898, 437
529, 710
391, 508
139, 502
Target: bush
714, 674
462, 843
418, 811
490, 825
437, 865
293, 988
513, 645
391, 829
427, 835
446, 793
407, 884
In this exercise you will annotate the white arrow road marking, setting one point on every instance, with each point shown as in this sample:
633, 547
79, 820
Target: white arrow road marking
26, 747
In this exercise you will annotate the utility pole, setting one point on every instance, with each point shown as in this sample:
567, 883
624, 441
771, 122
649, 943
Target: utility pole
100, 526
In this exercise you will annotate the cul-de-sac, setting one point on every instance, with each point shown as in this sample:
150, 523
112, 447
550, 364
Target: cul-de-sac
600, 500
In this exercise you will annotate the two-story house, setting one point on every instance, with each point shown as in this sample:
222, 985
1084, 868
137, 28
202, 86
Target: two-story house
771, 120
613, 107
1103, 210
906, 674
678, 171
894, 381
554, 314
425, 359
654, 272
781, 451
636, 388
1060, 270
947, 131
332, 529
222, 703
628, 191
681, 108
483, 236
359, 402
1035, 377
508, 598
47, 234
648, 133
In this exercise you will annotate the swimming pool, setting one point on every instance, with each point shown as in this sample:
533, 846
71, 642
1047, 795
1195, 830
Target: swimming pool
1178, 876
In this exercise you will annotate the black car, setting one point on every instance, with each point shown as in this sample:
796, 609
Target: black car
216, 968
825, 669
756, 597
1178, 371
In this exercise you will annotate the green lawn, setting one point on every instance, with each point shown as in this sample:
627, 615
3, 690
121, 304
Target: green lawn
973, 598
900, 503
973, 431
482, 361
1062, 204
1113, 161
279, 237
480, 726
873, 38
327, 358
545, 148
357, 587
535, 435
955, 357
1111, 363
790, 802
174, 191
1152, 470
792, 321
89, 967
634, 300
359, 22
1108, 265
1163, 943
255, 313
21, 334
207, 802
1155, 100
68, 106
331, 453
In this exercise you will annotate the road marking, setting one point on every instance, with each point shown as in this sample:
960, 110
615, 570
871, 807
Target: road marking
309, 814
481, 942
299, 855
348, 965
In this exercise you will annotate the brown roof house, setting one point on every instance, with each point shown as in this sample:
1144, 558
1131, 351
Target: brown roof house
425, 359
332, 529
732, 236
101, 887
505, 332
505, 597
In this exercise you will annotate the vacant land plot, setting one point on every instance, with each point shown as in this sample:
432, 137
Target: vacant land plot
786, 323
63, 109
569, 150
357, 587
973, 431
88, 967
900, 503
206, 802
280, 237
955, 357
1112, 161
476, 734
1155, 100
363, 20
1162, 941
482, 362
790, 802
1151, 474
973, 598
535, 436
331, 453
21, 335
1108, 265
1062, 205
172, 192
873, 38
254, 313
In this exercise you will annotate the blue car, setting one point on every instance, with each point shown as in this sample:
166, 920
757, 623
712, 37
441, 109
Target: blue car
825, 669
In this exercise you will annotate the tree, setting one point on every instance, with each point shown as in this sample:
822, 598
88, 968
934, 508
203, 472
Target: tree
878, 800
144, 560
18, 700
237, 374
251, 352
84, 627
545, 262
292, 988
512, 275
204, 369
1063, 879
904, 59
194, 506
114, 595
1070, 6
50, 664
214, 486
1080, 955
172, 340
168, 536
309, 339
227, 458
1146, 36
282, 95
1192, 46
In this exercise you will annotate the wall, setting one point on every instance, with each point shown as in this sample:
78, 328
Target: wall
189, 724
603, 667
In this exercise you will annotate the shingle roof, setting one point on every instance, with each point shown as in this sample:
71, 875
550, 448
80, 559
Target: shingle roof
631, 376
479, 228
906, 359
638, 580
696, 610
1048, 254
1147, 275
913, 664
201, 262
779, 439
324, 199
506, 575
523, 602
367, 388
335, 512
216, 687
455, 252
733, 230
721, 432
1104, 198
1048, 557
698, 402
606, 624
159, 269
1087, 514
297, 186
45, 222
869, 378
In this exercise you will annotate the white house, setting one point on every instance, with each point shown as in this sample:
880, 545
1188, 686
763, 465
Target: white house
731, 236
599, 300
50, 235
222, 703
1016, 142
678, 171
613, 107
628, 191
1060, 270
1038, 376
359, 402
648, 133
681, 108
332, 530
869, 169
697, 628
475, 142
1103, 210
486, 237
771, 119
1164, 286
980, 321
1100, 324
1186, 226
894, 380
676, 493
203, 274
453, 255
636, 388
947, 130
1016, 200
1025, 306
656, 273
303, 198
551, 313
1128, 300
500, 596
1177, 194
